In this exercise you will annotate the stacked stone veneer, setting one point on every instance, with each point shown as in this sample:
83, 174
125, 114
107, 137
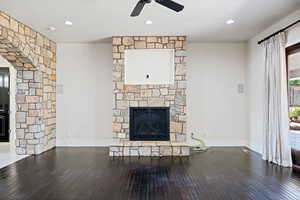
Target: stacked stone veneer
173, 96
34, 57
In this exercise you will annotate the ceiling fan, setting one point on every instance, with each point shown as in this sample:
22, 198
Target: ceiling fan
167, 3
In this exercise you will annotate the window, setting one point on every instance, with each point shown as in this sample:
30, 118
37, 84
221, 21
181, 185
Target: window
293, 69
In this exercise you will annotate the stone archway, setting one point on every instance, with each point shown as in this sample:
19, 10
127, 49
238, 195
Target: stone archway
34, 57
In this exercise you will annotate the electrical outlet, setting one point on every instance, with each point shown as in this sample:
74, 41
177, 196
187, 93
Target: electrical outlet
240, 88
59, 89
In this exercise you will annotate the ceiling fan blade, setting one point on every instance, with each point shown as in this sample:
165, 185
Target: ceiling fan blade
171, 4
138, 8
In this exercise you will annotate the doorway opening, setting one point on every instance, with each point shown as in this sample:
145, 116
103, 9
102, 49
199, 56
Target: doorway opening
8, 85
8, 81
4, 105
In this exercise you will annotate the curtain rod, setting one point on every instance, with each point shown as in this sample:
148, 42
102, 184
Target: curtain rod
282, 30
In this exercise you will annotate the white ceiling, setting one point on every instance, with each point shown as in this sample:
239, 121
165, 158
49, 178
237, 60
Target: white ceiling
98, 20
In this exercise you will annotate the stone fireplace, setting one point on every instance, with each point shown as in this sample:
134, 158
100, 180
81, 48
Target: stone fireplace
149, 120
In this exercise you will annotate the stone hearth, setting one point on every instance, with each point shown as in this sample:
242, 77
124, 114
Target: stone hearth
149, 149
171, 95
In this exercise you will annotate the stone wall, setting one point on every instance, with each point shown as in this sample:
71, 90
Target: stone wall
34, 57
173, 96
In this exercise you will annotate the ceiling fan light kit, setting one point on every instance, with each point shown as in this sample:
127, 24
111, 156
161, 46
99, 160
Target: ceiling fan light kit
166, 3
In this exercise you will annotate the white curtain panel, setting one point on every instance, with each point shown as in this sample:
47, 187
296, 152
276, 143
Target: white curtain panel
276, 147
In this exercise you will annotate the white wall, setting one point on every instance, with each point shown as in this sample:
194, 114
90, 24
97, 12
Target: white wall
3, 62
216, 111
84, 107
254, 78
84, 94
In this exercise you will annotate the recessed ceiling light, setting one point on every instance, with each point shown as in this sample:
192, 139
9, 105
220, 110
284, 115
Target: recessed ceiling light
230, 21
148, 22
68, 23
51, 28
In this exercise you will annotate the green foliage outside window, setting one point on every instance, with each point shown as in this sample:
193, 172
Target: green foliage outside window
295, 113
295, 83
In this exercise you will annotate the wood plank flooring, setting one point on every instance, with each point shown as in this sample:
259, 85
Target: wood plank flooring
88, 173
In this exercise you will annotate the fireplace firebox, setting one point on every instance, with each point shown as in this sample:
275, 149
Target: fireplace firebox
149, 124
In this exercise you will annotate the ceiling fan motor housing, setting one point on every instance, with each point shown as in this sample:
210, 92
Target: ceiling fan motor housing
166, 3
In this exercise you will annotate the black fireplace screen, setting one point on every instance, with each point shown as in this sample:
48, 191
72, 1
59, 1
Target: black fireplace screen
149, 124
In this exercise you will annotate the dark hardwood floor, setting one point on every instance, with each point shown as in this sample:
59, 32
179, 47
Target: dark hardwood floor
88, 173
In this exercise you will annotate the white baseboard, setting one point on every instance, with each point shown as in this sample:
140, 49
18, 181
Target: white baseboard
222, 143
253, 148
81, 143
107, 142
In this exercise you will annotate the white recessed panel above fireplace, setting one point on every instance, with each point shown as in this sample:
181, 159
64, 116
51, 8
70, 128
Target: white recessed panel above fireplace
149, 66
